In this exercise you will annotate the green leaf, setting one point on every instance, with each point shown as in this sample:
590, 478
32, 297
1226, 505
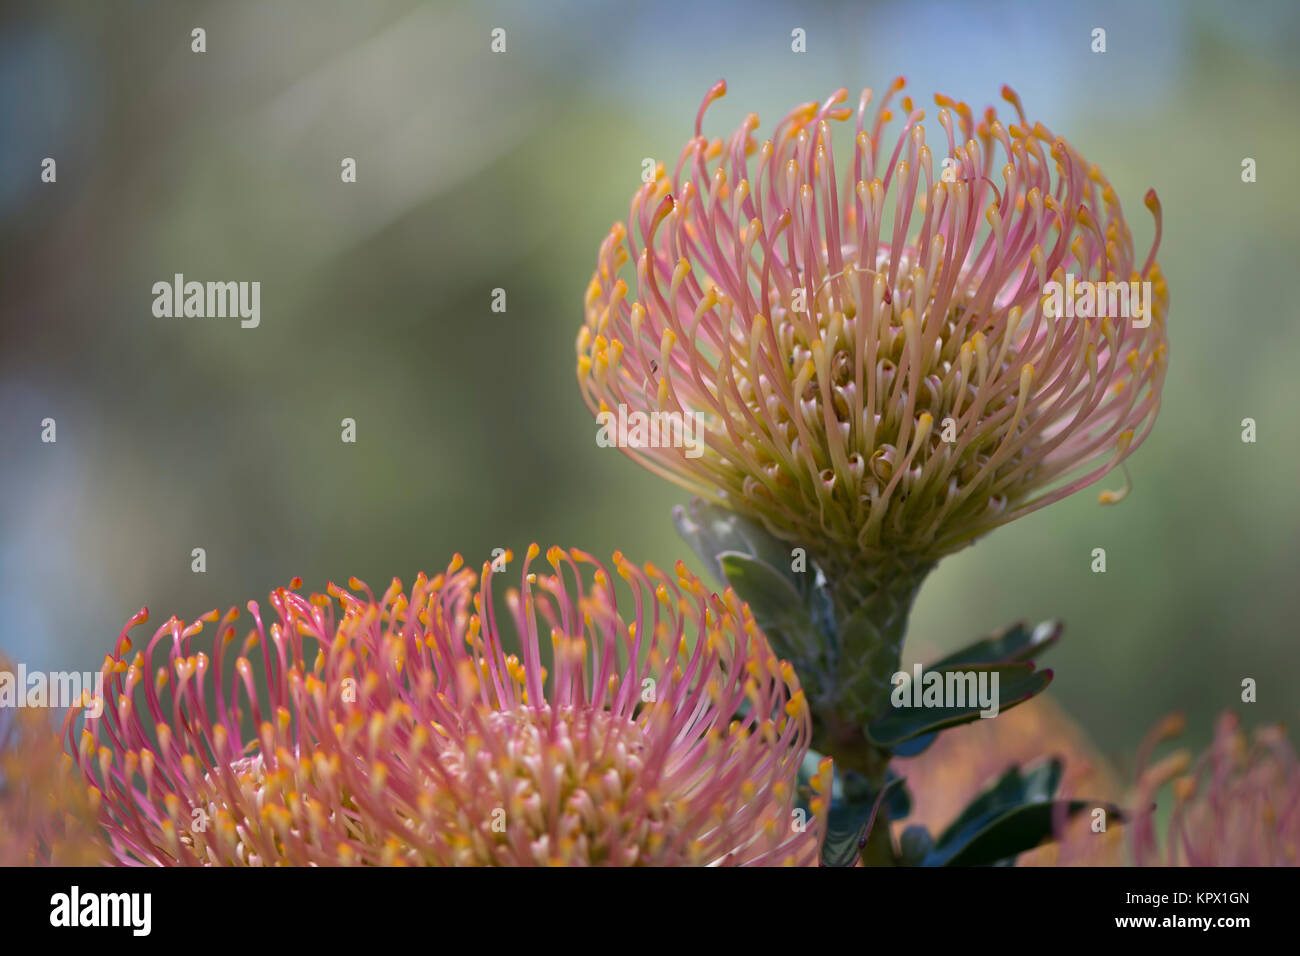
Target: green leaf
1014, 787
1016, 831
711, 530
1018, 643
778, 608
852, 814
914, 746
1015, 814
1017, 683
900, 798
1016, 646
915, 845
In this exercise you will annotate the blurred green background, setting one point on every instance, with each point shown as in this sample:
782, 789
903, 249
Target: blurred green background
479, 170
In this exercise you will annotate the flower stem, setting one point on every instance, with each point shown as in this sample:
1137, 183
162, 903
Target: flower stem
871, 602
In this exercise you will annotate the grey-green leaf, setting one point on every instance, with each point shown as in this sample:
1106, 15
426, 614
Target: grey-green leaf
778, 608
711, 530
1016, 831
1017, 683
1018, 643
851, 817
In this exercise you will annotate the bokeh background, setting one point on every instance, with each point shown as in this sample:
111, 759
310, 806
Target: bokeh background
479, 170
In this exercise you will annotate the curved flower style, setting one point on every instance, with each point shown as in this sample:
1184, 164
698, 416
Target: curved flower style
46, 814
1237, 805
401, 730
883, 372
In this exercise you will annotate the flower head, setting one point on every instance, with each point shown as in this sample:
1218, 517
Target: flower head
403, 730
883, 368
1238, 804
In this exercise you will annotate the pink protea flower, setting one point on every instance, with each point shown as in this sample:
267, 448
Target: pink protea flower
1238, 804
877, 375
402, 730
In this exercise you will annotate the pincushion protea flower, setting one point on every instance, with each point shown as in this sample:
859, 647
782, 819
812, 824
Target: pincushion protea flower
825, 420
401, 730
878, 374
1238, 804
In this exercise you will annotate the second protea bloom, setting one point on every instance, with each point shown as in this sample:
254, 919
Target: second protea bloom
406, 729
887, 353
1237, 804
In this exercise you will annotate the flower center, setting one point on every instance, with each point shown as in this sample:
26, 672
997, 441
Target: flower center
557, 785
